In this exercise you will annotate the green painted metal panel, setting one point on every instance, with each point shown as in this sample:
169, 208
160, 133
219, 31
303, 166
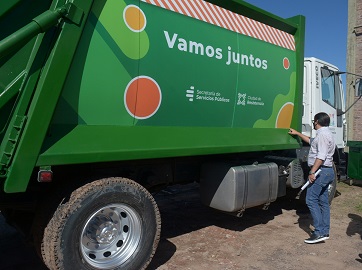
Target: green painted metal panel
45, 96
13, 67
141, 81
100, 143
183, 72
230, 75
355, 160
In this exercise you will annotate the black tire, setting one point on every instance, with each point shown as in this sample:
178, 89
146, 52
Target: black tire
111, 223
333, 186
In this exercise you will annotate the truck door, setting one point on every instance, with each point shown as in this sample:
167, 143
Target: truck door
331, 102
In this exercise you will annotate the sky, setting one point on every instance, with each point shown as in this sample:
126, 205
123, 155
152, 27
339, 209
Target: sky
326, 26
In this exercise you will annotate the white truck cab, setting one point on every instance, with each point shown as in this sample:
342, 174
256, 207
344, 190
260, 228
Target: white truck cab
323, 92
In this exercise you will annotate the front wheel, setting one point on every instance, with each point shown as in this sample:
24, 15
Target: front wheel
333, 186
111, 223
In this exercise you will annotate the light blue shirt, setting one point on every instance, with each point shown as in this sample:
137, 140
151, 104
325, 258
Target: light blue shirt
322, 147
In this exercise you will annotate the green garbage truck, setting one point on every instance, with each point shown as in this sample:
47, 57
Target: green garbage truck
104, 103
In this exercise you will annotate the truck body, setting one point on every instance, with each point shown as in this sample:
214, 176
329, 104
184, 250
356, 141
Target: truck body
103, 103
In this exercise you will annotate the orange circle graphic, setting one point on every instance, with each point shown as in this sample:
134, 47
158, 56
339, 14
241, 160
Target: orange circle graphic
134, 18
285, 114
142, 97
286, 63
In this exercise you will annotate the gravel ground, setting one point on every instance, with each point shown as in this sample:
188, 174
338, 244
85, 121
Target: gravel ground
196, 237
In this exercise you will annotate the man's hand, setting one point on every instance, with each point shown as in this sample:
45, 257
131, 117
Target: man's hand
293, 131
302, 136
311, 178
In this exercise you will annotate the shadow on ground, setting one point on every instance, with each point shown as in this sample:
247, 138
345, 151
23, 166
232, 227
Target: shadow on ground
182, 212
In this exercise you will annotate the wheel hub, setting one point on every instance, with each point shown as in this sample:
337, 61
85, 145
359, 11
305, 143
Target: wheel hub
107, 233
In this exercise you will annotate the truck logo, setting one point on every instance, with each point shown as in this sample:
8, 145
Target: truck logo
205, 95
190, 93
241, 99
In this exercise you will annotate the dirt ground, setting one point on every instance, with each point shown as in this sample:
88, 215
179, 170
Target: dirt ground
199, 238
196, 237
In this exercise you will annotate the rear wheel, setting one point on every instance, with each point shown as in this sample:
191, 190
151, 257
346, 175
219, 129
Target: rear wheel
112, 223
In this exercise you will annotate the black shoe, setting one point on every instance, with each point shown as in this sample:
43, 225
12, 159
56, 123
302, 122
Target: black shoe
316, 239
326, 236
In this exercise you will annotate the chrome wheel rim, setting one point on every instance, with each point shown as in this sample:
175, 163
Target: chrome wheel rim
330, 188
110, 236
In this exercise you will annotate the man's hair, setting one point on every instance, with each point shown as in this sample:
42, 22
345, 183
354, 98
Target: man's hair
323, 119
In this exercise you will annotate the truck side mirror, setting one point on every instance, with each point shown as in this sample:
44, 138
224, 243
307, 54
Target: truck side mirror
358, 87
